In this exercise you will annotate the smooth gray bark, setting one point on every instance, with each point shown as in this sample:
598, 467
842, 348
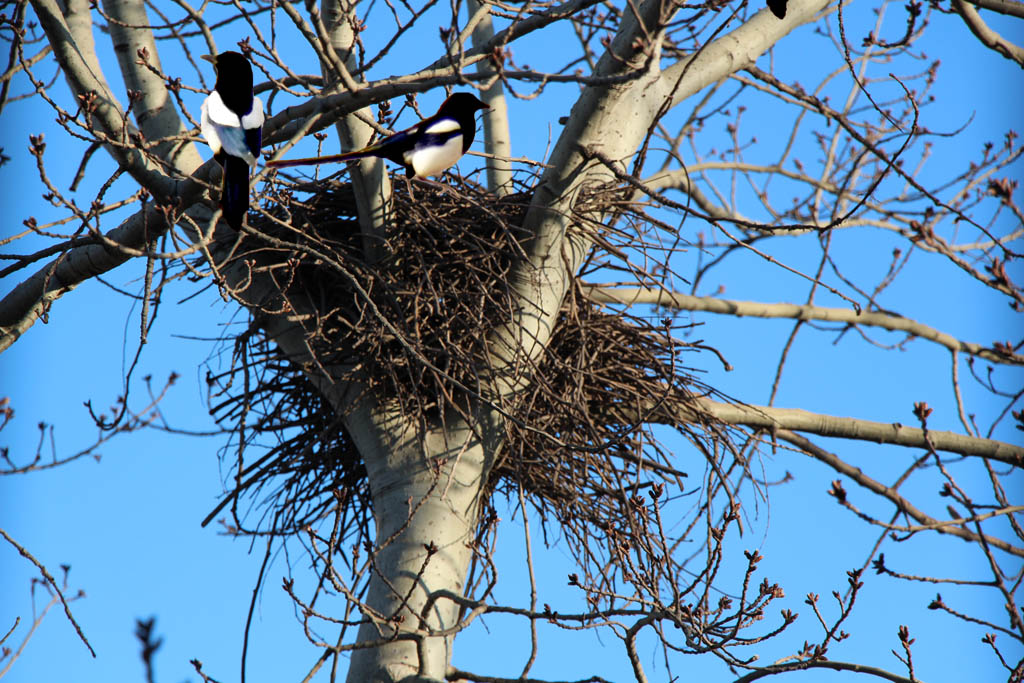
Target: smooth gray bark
370, 180
612, 119
154, 110
497, 138
426, 485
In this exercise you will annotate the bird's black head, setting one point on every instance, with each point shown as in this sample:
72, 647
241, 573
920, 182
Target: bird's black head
461, 104
234, 80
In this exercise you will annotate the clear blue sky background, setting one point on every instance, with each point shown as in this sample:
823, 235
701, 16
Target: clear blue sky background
129, 524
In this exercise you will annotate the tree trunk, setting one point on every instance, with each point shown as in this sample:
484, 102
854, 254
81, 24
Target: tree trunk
426, 483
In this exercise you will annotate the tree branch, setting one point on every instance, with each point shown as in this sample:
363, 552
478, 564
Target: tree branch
1008, 7
32, 298
81, 69
53, 584
902, 504
139, 60
824, 664
615, 118
986, 35
370, 182
737, 50
774, 419
659, 297
497, 138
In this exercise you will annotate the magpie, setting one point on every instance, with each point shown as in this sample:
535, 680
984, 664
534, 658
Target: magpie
431, 146
232, 124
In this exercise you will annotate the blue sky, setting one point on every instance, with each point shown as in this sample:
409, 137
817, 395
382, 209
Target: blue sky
129, 524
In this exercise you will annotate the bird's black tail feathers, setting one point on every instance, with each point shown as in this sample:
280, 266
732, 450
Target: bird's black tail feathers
333, 158
234, 196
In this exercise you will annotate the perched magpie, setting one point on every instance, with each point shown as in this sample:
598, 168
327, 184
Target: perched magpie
232, 124
429, 147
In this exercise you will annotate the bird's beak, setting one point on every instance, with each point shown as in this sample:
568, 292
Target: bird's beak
212, 59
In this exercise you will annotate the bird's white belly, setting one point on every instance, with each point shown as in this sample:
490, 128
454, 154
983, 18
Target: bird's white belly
429, 159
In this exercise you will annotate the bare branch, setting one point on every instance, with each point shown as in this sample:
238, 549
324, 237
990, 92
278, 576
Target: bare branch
825, 664
82, 71
773, 419
668, 299
986, 35
31, 299
50, 581
1008, 7
139, 60
497, 137
901, 502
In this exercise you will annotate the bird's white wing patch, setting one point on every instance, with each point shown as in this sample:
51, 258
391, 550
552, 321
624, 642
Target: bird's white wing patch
255, 118
219, 112
442, 126
230, 138
432, 159
208, 128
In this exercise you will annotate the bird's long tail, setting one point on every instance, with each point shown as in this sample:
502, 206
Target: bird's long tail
234, 197
358, 154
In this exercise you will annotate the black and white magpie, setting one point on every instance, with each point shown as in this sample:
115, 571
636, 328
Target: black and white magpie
232, 124
431, 146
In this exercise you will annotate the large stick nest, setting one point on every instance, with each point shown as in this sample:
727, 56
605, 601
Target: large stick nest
412, 322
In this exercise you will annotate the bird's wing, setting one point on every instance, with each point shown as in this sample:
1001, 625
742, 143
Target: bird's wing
254, 141
208, 128
236, 142
428, 132
255, 117
438, 132
223, 130
443, 126
438, 147
219, 112
392, 147
401, 148
252, 123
